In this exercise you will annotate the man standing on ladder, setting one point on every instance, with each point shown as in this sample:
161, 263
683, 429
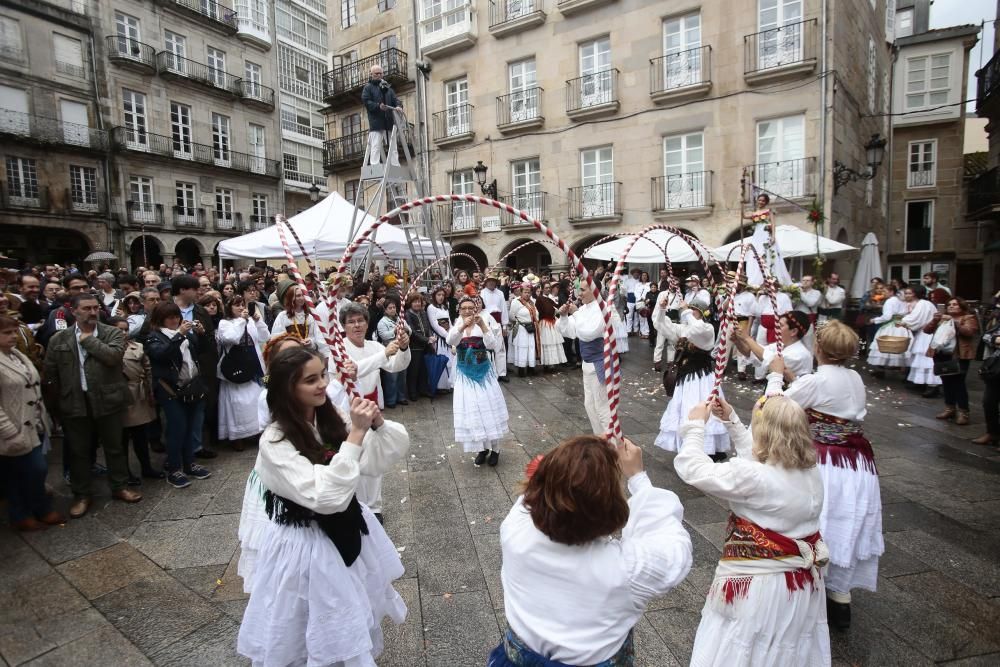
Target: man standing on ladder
381, 102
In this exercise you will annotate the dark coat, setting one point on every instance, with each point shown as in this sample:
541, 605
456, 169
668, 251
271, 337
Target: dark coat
107, 391
420, 329
165, 358
373, 95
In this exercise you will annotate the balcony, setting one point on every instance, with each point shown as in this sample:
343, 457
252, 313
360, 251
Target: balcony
592, 95
259, 222
520, 110
984, 195
508, 17
792, 179
449, 32
131, 53
173, 66
532, 203
254, 31
138, 141
457, 219
347, 152
143, 214
680, 76
682, 195
780, 53
342, 85
19, 195
40, 131
987, 84
568, 7
921, 177
186, 217
219, 17
256, 95
595, 204
453, 125
227, 222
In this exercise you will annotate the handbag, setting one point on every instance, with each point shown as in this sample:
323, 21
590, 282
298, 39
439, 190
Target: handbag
529, 327
989, 371
192, 391
946, 364
240, 364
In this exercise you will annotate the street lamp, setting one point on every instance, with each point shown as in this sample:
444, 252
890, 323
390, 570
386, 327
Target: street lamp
314, 192
480, 171
874, 152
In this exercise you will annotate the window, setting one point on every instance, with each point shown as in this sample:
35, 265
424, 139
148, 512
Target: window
83, 188
300, 74
456, 96
596, 176
224, 207
922, 172
303, 164
388, 42
220, 139
909, 274
11, 45
127, 31
684, 171
890, 21
523, 86
258, 151
258, 204
184, 206
780, 39
526, 183
682, 51
301, 27
252, 79
386, 5
217, 66
927, 80
68, 56
437, 9
352, 191
919, 226
350, 124
595, 74
180, 130
463, 213
140, 204
872, 74
134, 117
14, 119
781, 164
176, 51
22, 181
904, 23
252, 15
348, 13
301, 117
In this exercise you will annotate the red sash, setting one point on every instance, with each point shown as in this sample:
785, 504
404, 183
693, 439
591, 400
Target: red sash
372, 396
496, 315
812, 318
770, 323
840, 442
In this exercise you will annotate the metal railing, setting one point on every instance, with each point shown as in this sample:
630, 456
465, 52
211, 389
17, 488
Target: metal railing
789, 44
679, 70
258, 222
170, 63
454, 121
227, 221
186, 217
124, 48
532, 203
39, 129
983, 191
592, 90
920, 178
305, 130
987, 81
212, 10
788, 178
520, 106
680, 191
257, 92
131, 139
353, 76
456, 217
24, 195
505, 11
346, 150
87, 202
144, 214
595, 201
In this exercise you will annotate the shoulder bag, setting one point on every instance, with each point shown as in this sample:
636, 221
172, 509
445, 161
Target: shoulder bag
240, 364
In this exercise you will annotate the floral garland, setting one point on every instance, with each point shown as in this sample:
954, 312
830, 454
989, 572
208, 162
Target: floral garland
815, 213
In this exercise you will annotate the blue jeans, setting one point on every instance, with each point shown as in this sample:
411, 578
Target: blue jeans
184, 424
24, 479
393, 387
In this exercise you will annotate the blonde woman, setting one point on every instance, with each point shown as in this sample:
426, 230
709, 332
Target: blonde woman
766, 603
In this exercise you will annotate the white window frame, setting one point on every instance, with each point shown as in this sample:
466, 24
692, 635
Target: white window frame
186, 202
216, 60
777, 43
684, 171
222, 135
522, 84
526, 187
682, 64
456, 95
911, 273
22, 181
258, 204
348, 13
596, 82
12, 44
463, 213
927, 153
68, 56
597, 176
176, 47
181, 131
906, 225
140, 189
83, 188
134, 120
782, 166
253, 79
872, 76
921, 81
903, 23
224, 207
256, 140
128, 31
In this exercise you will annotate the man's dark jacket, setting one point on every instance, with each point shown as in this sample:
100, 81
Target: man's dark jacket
373, 95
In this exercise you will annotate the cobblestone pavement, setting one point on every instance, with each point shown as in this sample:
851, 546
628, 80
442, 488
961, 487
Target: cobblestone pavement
156, 582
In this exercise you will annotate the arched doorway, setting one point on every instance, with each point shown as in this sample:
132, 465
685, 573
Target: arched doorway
151, 255
582, 245
464, 262
188, 252
534, 256
51, 246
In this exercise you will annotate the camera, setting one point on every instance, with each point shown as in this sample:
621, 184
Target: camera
384, 85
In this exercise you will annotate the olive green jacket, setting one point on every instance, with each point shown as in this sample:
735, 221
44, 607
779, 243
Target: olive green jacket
107, 390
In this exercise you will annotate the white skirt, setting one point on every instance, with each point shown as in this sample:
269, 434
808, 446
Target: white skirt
480, 412
238, 410
890, 360
621, 334
447, 380
921, 366
771, 626
851, 525
521, 352
306, 606
552, 345
687, 394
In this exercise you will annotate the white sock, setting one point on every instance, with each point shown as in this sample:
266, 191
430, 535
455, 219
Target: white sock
842, 598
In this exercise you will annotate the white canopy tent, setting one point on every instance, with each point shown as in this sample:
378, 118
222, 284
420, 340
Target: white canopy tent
647, 250
792, 241
324, 230
868, 267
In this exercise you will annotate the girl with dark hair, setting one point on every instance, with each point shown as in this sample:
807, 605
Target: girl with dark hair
317, 563
551, 340
766, 244
959, 318
793, 327
238, 401
440, 320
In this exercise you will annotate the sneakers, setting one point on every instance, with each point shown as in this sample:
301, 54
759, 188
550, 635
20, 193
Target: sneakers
178, 480
198, 472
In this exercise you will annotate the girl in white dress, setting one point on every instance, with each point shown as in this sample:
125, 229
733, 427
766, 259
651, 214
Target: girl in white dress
296, 318
480, 411
238, 402
317, 564
894, 310
921, 366
763, 233
765, 606
437, 313
793, 327
553, 352
523, 349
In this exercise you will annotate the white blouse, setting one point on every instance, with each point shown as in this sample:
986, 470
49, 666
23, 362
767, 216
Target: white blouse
893, 306
797, 357
312, 332
763, 305
586, 323
230, 332
921, 314
576, 604
490, 337
520, 312
697, 332
832, 390
370, 359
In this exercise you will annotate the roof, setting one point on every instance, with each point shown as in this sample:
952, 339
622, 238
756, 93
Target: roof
976, 163
938, 34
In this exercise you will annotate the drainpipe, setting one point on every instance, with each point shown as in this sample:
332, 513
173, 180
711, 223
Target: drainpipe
105, 160
822, 105
893, 55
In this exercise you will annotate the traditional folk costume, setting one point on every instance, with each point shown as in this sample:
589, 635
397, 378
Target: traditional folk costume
316, 562
797, 357
480, 410
587, 326
698, 298
672, 312
743, 308
495, 306
695, 381
832, 305
440, 321
766, 605
524, 335
578, 605
767, 250
238, 402
893, 311
324, 313
808, 303
551, 341
851, 522
640, 319
921, 366
767, 321
302, 325
627, 286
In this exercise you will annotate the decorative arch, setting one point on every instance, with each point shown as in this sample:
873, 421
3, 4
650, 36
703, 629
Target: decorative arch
153, 255
189, 251
463, 262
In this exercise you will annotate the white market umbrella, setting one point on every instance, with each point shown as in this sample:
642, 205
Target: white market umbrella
792, 241
868, 267
647, 250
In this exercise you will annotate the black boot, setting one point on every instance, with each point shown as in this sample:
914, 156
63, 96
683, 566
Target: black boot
838, 615
494, 459
932, 392
481, 457
521, 372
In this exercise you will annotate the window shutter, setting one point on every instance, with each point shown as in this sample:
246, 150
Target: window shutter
890, 21
10, 37
68, 50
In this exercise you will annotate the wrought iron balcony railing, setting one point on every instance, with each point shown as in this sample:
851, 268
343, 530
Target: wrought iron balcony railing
187, 217
253, 92
171, 64
920, 178
129, 51
144, 214
682, 191
592, 91
352, 77
680, 70
532, 203
504, 13
85, 202
789, 178
346, 151
219, 16
227, 221
24, 195
987, 83
790, 44
983, 194
601, 200
258, 222
522, 106
133, 139
453, 124
20, 126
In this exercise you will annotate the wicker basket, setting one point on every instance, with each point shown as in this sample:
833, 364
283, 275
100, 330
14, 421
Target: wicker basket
892, 344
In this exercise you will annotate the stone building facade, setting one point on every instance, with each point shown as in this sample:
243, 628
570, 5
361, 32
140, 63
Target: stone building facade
982, 210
